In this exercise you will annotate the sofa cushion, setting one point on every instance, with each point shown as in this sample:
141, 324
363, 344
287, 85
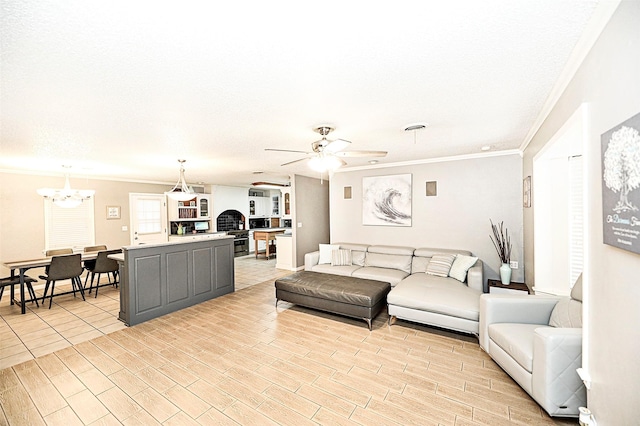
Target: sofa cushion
357, 252
566, 314
436, 294
392, 276
419, 264
326, 268
341, 258
400, 250
461, 265
576, 291
440, 264
325, 252
429, 252
389, 261
516, 340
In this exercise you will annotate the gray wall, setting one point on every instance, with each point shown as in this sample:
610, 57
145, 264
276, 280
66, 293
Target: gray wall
470, 192
609, 80
310, 202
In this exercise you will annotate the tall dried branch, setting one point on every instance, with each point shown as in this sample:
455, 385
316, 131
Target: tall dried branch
501, 241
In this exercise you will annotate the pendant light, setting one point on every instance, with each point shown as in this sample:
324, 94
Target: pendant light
181, 192
66, 197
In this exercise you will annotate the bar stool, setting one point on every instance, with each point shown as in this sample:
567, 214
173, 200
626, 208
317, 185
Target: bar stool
63, 268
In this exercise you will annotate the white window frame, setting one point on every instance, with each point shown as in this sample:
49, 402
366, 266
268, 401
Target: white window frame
69, 227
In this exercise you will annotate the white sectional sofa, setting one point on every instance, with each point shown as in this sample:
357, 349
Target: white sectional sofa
417, 294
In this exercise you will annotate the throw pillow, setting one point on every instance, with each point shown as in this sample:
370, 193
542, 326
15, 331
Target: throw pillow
576, 291
566, 314
341, 257
440, 264
325, 252
460, 267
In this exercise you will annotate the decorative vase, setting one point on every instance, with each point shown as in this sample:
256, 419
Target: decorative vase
505, 273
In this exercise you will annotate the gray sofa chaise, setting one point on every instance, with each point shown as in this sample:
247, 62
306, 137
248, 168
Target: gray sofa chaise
422, 290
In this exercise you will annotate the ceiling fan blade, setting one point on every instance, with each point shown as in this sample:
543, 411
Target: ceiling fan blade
336, 145
286, 150
294, 161
361, 154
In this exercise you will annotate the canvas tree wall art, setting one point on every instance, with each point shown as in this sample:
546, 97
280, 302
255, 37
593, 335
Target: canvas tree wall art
386, 200
621, 185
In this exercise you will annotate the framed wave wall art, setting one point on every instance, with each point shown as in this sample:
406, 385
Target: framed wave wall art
621, 185
386, 200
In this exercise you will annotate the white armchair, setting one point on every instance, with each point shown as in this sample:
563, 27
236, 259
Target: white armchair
542, 358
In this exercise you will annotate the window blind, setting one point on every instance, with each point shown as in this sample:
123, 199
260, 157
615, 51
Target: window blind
576, 220
69, 227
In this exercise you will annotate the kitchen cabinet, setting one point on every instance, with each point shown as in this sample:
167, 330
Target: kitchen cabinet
262, 245
286, 203
198, 208
259, 206
158, 279
275, 205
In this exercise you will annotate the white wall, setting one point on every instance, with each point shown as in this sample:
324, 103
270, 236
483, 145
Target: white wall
469, 193
609, 81
229, 198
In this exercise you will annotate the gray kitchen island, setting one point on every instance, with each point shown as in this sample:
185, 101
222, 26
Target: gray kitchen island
157, 279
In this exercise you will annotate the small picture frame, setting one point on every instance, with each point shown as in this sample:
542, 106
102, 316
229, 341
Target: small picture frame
192, 203
113, 212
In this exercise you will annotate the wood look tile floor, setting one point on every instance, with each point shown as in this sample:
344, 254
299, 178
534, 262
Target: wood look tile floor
238, 359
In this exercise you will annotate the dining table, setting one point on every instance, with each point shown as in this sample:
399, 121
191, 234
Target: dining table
22, 266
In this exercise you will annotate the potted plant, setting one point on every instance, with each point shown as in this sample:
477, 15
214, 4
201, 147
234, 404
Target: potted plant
502, 242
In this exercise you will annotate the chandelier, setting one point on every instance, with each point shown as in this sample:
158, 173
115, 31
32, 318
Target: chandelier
66, 197
181, 192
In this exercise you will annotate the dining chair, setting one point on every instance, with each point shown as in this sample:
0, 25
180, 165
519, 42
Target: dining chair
91, 263
64, 267
13, 281
57, 252
54, 252
103, 265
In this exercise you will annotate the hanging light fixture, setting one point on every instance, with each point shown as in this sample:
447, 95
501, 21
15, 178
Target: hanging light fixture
66, 197
181, 192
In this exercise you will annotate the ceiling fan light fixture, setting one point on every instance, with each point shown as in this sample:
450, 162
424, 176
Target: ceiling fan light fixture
324, 163
181, 192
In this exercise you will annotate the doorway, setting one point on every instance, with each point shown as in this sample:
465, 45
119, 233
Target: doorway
558, 202
148, 221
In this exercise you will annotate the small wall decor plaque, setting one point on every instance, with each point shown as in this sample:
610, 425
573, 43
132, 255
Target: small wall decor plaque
621, 185
113, 212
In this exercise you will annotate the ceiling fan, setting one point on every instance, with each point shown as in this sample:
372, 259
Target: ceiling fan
327, 154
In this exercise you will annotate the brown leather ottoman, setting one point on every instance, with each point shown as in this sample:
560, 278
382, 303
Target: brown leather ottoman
352, 297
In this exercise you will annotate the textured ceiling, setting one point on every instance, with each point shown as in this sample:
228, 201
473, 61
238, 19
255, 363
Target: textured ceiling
122, 89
